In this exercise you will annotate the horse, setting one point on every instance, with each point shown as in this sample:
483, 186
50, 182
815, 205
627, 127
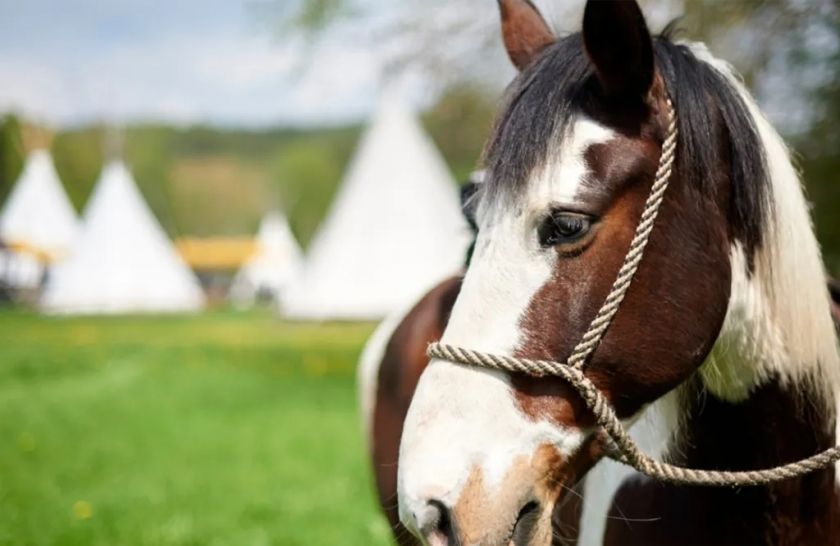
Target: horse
722, 355
394, 358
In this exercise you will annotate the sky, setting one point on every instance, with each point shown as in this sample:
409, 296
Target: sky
225, 62
72, 62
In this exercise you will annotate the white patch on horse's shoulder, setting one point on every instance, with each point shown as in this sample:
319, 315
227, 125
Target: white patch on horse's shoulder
367, 373
748, 333
652, 431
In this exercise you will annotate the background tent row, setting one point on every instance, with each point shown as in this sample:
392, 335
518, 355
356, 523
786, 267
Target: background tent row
394, 229
117, 259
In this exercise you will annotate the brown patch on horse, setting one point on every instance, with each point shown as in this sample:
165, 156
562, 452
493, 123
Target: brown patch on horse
774, 426
480, 507
402, 364
656, 305
524, 31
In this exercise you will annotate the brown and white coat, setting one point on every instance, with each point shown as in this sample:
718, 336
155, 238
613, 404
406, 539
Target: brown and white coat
722, 356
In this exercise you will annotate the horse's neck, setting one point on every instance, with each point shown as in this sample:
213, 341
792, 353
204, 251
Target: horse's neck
775, 424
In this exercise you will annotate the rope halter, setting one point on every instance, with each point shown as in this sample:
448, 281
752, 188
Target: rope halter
625, 449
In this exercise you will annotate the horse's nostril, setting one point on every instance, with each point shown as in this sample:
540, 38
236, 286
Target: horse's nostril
437, 526
526, 521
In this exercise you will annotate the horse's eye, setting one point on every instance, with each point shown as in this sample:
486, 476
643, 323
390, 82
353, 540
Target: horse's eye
563, 228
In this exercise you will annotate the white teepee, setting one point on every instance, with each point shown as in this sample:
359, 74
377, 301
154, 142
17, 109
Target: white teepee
37, 220
394, 229
273, 268
37, 213
123, 261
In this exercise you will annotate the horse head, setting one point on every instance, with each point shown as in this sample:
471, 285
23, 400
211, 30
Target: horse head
486, 456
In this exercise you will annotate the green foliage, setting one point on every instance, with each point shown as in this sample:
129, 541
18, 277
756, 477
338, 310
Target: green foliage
820, 146
307, 173
78, 156
208, 181
313, 14
823, 184
148, 152
459, 124
214, 429
11, 154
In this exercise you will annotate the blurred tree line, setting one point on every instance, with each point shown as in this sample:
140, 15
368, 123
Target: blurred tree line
11, 154
213, 181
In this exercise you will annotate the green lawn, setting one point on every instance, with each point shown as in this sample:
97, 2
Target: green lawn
226, 428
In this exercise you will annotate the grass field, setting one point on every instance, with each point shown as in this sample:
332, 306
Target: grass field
216, 429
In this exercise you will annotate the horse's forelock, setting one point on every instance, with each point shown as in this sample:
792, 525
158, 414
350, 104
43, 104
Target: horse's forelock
543, 102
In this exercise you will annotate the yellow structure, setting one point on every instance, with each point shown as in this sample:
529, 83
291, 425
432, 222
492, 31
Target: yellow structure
216, 253
40, 254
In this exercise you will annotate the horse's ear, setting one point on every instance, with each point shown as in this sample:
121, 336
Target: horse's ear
524, 31
619, 45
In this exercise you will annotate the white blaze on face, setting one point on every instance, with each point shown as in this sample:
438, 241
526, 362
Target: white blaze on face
464, 420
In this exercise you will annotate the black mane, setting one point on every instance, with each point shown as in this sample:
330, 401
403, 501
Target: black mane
543, 100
